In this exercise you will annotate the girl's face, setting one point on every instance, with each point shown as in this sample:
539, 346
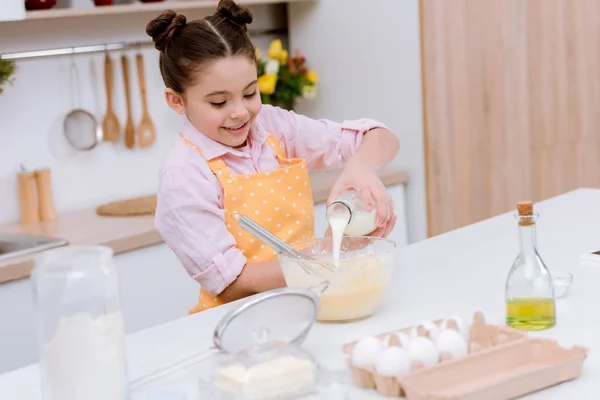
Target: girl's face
224, 101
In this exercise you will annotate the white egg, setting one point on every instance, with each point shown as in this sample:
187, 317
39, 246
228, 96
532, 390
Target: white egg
463, 327
402, 338
393, 361
452, 342
366, 351
431, 329
423, 350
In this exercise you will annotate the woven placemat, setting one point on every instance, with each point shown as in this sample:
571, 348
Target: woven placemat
145, 205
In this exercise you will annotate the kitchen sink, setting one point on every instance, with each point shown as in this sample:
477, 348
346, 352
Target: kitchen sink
15, 245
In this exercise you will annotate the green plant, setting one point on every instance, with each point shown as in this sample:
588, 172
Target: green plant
7, 70
282, 79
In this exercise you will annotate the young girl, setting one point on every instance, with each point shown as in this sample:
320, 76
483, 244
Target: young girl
235, 154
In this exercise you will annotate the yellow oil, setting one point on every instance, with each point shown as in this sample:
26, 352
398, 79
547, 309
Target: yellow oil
531, 313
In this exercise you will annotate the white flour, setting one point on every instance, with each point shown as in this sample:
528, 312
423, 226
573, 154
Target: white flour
85, 360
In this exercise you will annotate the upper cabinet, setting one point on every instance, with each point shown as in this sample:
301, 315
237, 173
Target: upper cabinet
84, 24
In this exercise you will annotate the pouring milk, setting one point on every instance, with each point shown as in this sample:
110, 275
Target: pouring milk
347, 215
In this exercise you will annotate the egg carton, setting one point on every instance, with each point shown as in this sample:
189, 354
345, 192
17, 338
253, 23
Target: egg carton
501, 363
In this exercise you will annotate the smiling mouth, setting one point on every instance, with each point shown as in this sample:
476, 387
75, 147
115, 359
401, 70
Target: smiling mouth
238, 128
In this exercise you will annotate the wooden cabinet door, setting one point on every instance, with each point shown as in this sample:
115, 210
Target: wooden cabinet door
511, 104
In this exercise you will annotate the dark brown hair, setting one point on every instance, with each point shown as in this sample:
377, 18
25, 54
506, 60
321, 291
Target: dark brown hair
185, 46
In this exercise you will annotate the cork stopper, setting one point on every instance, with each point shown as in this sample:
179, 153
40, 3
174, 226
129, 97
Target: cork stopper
525, 208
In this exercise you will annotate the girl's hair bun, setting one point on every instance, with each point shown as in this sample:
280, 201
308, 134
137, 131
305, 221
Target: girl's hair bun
237, 14
164, 28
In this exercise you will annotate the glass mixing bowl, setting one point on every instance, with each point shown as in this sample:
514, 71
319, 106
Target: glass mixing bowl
356, 288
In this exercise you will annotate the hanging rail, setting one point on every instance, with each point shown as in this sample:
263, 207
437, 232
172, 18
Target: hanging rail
109, 47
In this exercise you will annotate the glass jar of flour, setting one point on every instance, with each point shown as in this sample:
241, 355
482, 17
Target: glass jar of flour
81, 336
348, 210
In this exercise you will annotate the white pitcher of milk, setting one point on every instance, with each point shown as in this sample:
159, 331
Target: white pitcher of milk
347, 215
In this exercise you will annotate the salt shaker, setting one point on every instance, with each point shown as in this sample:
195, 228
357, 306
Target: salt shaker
350, 205
43, 183
27, 197
81, 335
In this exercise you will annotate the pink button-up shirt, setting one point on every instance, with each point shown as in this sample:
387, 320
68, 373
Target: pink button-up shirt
189, 213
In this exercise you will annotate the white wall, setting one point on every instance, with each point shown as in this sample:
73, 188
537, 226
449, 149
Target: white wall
367, 54
32, 110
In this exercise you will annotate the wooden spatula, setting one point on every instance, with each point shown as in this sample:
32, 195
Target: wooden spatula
110, 124
146, 131
129, 128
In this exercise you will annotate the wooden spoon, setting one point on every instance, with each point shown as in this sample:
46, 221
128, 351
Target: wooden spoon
110, 125
146, 130
129, 128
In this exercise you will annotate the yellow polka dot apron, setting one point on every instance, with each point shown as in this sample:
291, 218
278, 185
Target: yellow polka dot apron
280, 200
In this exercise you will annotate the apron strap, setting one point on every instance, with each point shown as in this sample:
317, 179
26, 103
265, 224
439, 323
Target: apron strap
216, 165
276, 146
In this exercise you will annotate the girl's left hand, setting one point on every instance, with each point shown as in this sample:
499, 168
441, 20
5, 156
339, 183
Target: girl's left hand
363, 178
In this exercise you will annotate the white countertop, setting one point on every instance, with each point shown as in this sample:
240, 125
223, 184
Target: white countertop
455, 273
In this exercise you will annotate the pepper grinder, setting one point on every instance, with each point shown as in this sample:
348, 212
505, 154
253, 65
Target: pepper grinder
44, 193
27, 198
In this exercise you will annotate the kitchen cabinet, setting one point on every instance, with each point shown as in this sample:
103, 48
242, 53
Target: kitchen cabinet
154, 287
511, 97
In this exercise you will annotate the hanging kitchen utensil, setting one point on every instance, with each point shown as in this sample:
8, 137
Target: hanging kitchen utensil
110, 125
80, 126
146, 131
129, 128
287, 314
97, 109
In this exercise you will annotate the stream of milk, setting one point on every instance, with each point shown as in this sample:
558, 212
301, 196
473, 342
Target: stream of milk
338, 223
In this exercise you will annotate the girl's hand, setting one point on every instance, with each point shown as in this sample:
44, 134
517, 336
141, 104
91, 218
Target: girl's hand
362, 177
386, 229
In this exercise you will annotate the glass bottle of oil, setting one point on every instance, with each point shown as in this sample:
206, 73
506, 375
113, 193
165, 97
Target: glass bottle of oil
529, 287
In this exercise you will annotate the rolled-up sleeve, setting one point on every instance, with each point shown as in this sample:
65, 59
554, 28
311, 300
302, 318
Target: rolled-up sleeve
191, 220
323, 143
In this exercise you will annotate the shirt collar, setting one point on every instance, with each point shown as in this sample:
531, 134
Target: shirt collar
212, 149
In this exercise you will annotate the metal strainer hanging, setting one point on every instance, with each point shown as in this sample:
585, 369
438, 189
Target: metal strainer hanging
80, 126
287, 313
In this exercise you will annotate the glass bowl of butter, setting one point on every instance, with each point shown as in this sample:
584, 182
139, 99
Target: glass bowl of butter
270, 370
353, 288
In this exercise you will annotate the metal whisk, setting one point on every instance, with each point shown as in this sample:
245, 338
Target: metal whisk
279, 245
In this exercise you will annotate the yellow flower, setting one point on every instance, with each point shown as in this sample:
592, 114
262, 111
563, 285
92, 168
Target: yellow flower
283, 57
275, 48
277, 52
312, 76
257, 50
266, 83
